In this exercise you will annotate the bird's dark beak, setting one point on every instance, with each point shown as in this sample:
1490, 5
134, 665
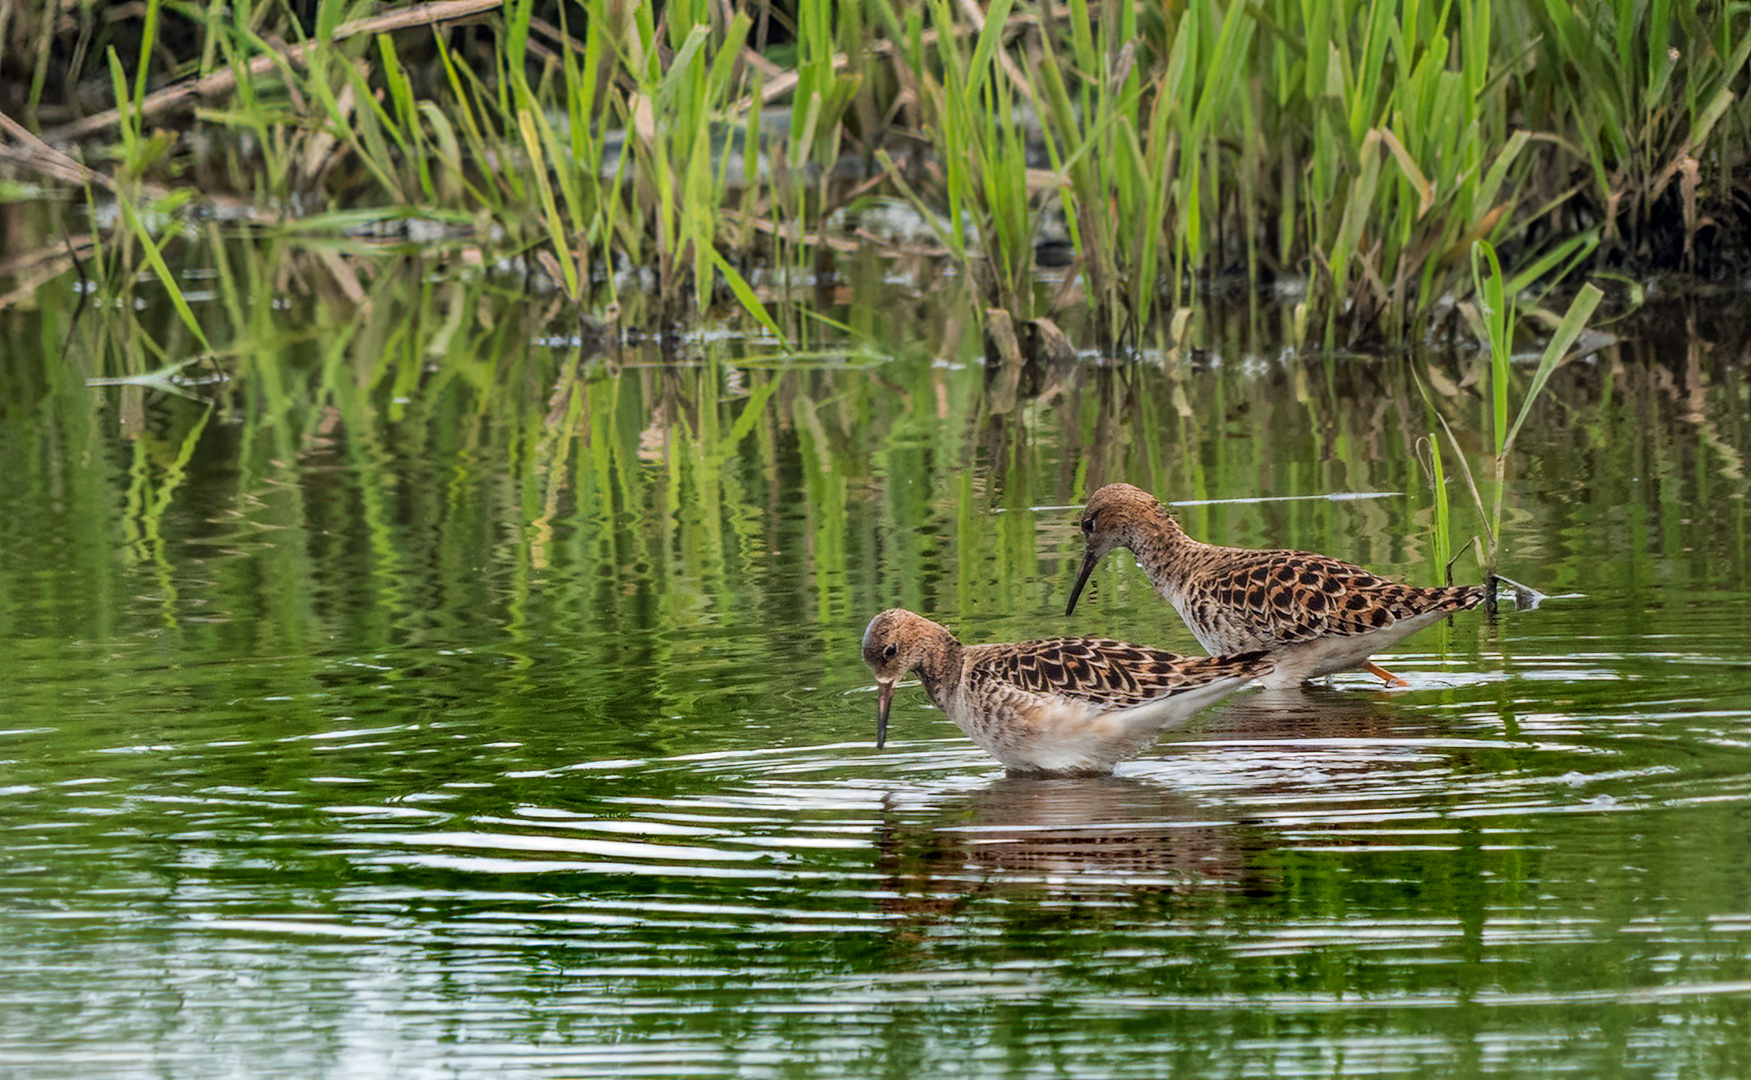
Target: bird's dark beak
1088, 563
884, 698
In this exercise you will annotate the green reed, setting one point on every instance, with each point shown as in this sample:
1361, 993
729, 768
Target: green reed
1496, 308
985, 186
1647, 94
1114, 152
1361, 150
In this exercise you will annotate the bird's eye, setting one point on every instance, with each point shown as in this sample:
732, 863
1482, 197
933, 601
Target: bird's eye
1088, 524
890, 651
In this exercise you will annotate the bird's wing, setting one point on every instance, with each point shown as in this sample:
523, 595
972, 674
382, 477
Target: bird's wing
1290, 597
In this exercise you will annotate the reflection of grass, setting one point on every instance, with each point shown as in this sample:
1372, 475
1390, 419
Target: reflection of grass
421, 468
1364, 150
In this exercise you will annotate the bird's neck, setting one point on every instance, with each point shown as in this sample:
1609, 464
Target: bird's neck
1162, 547
939, 669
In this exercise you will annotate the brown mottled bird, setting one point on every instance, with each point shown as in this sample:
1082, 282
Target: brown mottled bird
1058, 707
1311, 613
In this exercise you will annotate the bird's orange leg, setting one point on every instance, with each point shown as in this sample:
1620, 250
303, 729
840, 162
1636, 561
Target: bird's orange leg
1384, 675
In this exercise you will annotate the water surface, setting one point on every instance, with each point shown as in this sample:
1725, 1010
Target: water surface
513, 725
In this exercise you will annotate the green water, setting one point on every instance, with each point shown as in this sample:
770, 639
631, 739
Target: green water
500, 714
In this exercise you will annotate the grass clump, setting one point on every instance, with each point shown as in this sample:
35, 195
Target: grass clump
634, 156
1496, 306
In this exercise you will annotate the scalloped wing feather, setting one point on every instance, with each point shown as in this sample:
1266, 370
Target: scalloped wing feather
1291, 597
1107, 672
1075, 706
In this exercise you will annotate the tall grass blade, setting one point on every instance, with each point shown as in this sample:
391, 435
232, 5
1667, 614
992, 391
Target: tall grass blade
161, 269
1498, 316
532, 143
745, 293
1556, 351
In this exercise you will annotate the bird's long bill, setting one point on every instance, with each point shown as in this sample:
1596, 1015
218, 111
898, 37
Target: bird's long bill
1088, 564
884, 698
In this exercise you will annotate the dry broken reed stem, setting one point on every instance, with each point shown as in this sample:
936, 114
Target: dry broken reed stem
35, 268
220, 82
33, 153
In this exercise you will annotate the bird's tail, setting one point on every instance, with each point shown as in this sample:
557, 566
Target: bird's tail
1525, 597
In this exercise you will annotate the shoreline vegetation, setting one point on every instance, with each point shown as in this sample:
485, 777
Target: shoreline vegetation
1101, 164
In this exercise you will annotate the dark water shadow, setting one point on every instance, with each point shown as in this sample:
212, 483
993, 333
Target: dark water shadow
1065, 839
1312, 710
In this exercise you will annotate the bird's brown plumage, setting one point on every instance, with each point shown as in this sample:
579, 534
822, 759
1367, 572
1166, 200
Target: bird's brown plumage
1062, 706
1314, 614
